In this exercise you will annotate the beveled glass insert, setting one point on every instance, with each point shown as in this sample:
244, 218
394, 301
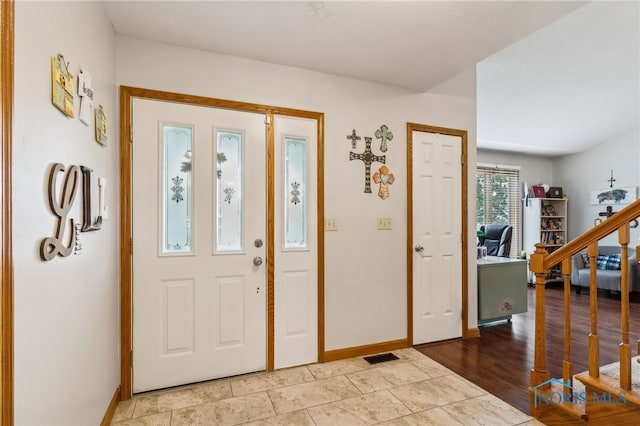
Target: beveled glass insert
228, 162
295, 191
177, 200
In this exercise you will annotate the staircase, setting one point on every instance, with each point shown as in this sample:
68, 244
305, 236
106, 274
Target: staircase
602, 395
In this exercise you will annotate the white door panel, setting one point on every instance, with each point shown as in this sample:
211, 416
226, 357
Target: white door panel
295, 242
199, 305
437, 217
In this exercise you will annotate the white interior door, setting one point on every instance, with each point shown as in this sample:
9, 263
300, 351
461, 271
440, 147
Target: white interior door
437, 230
296, 272
199, 301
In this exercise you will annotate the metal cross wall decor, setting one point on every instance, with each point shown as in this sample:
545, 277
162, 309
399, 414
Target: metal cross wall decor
354, 139
367, 157
611, 180
384, 135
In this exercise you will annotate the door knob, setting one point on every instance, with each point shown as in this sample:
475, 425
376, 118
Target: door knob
257, 261
258, 243
419, 248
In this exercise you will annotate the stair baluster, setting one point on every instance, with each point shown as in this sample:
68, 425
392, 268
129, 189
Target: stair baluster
625, 354
567, 371
539, 373
594, 344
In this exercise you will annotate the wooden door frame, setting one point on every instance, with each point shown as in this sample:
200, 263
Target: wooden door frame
411, 127
126, 320
7, 22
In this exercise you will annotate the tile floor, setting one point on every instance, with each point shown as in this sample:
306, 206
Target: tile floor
413, 390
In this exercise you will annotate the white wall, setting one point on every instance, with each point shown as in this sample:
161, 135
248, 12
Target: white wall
581, 173
365, 277
66, 310
533, 169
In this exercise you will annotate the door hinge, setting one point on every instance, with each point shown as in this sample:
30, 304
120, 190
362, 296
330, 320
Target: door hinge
131, 133
131, 245
266, 119
462, 160
131, 359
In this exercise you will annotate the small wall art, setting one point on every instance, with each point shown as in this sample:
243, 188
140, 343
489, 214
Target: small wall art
354, 139
101, 126
62, 89
626, 195
384, 135
384, 179
85, 92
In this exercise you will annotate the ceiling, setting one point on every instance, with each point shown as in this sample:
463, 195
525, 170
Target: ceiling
419, 45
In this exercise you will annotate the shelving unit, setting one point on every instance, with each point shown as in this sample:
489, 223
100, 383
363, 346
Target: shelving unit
545, 220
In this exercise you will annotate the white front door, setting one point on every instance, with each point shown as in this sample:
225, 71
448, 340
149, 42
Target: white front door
437, 230
199, 236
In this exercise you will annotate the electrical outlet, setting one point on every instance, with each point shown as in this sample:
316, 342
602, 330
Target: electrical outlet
384, 223
330, 224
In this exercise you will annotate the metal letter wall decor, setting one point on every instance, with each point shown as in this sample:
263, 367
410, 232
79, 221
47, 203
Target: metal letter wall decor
51, 247
88, 224
367, 157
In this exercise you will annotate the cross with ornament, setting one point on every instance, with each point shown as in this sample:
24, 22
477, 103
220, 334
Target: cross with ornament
367, 157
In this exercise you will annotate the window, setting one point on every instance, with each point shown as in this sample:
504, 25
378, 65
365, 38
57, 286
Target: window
498, 199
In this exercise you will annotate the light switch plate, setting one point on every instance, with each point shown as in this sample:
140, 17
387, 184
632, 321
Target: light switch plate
330, 224
384, 223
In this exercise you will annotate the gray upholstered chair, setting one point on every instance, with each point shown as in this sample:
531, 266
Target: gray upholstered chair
497, 239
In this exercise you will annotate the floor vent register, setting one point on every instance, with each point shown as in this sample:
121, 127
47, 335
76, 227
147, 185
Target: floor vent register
376, 359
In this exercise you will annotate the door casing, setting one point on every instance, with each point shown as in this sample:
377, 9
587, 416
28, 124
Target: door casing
126, 95
411, 127
7, 22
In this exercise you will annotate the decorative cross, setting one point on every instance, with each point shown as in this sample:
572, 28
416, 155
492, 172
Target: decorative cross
367, 157
384, 135
607, 213
354, 139
611, 180
384, 178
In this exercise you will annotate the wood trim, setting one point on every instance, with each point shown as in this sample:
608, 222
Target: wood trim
465, 229
127, 93
126, 319
136, 92
7, 10
471, 333
111, 409
410, 234
411, 127
365, 350
271, 264
320, 234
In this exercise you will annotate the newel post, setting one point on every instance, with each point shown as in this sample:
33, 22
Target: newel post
539, 373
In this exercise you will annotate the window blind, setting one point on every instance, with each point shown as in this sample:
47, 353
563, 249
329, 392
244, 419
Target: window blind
498, 200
